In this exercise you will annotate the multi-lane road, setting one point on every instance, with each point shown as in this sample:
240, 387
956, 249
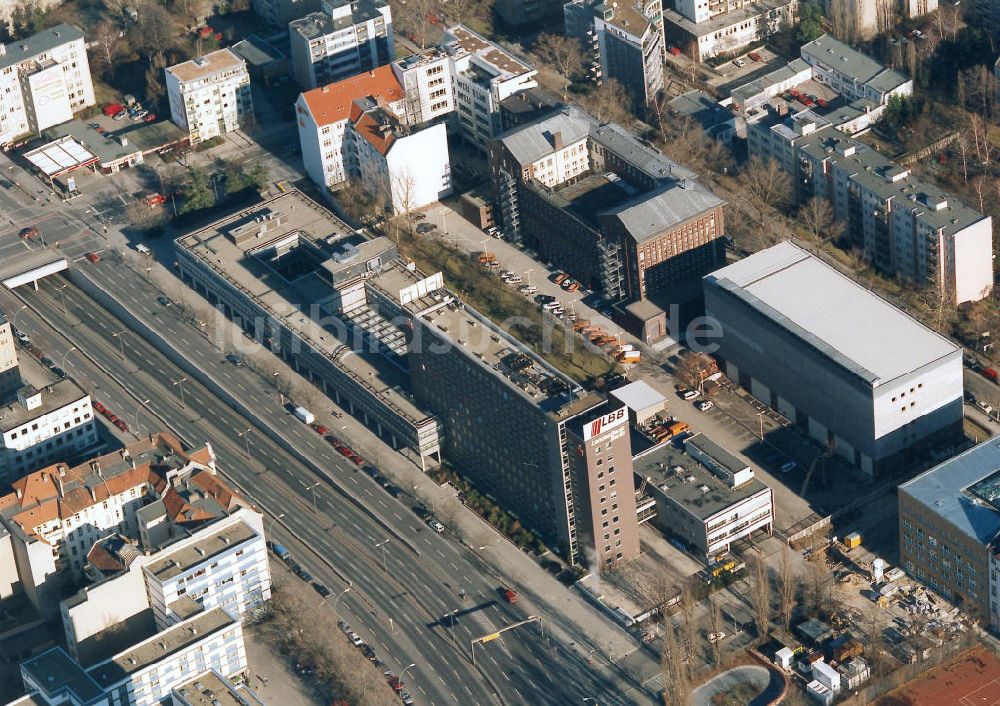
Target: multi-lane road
401, 607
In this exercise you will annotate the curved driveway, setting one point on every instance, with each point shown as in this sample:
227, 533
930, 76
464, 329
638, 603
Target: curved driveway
768, 683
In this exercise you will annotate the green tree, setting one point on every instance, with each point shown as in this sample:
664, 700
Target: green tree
197, 192
810, 17
258, 177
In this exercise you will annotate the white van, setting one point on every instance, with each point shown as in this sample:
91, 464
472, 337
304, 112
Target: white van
143, 249
304, 415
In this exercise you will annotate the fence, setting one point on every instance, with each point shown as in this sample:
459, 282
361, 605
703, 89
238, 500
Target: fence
880, 685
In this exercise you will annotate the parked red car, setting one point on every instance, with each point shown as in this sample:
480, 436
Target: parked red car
989, 374
97, 406
93, 257
320, 429
30, 232
121, 425
754, 56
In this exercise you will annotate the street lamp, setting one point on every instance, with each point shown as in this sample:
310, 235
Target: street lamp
527, 276
337, 600
13, 322
246, 439
63, 359
277, 385
313, 489
137, 408
385, 568
408, 668
273, 520
120, 335
179, 384
62, 295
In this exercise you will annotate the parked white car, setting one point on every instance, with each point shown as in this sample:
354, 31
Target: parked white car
985, 406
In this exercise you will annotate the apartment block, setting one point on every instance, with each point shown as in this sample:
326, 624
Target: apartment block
484, 74
345, 38
210, 95
55, 515
42, 425
426, 80
324, 117
356, 129
855, 89
706, 28
857, 374
906, 227
146, 673
44, 80
616, 215
409, 168
625, 40
949, 530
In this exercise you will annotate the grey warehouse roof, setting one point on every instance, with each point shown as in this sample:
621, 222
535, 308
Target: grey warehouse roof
44, 41
862, 68
944, 490
840, 318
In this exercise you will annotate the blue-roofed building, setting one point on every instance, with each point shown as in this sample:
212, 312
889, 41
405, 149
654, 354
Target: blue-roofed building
949, 529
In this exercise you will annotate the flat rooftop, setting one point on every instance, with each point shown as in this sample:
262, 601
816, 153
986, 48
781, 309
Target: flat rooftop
729, 461
201, 551
210, 689
54, 396
161, 646
106, 143
54, 670
681, 477
964, 491
208, 65
480, 338
488, 52
592, 195
723, 20
838, 317
300, 290
639, 395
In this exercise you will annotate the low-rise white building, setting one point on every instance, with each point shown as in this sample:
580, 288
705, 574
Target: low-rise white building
851, 73
484, 74
146, 673
43, 425
44, 80
703, 29
345, 38
209, 95
705, 495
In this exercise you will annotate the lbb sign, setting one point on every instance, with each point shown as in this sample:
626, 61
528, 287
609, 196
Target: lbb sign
603, 424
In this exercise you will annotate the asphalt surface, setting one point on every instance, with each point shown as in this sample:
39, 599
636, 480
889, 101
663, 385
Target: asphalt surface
399, 608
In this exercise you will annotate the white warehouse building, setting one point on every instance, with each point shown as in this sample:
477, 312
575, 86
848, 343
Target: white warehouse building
857, 373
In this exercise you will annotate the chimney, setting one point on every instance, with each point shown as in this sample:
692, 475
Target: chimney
557, 142
95, 466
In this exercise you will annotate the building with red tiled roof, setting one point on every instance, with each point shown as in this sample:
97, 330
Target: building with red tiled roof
323, 115
356, 129
55, 515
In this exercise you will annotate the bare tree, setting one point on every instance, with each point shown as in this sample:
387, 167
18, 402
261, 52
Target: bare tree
715, 638
786, 589
155, 33
562, 53
816, 214
761, 594
767, 185
107, 44
404, 188
689, 627
609, 103
676, 684
691, 369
